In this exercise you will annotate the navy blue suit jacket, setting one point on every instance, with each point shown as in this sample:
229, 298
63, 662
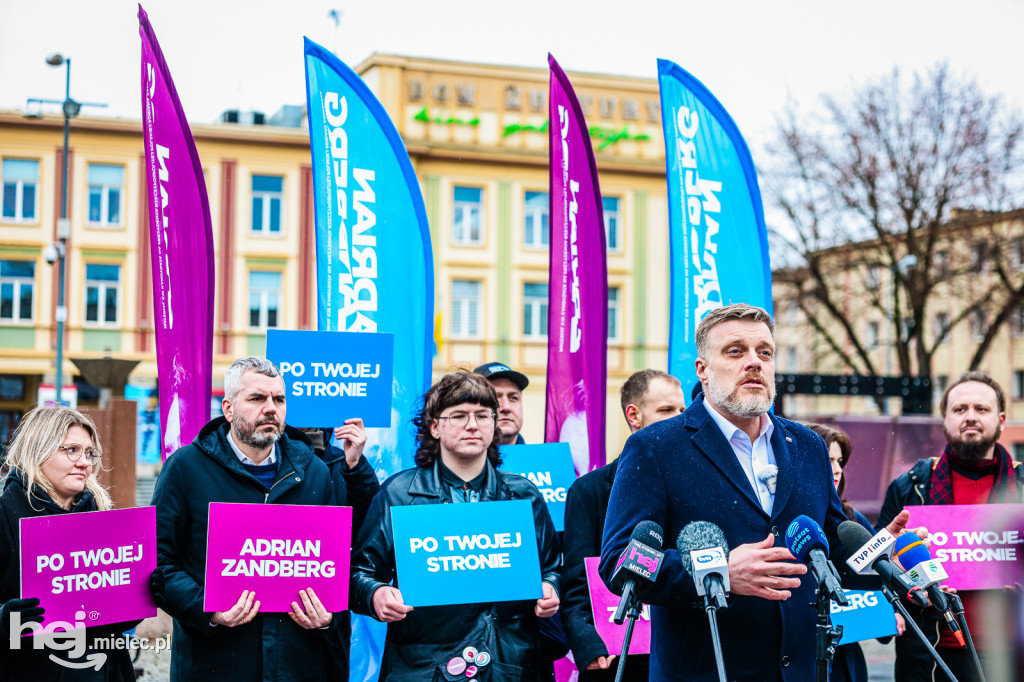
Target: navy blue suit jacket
682, 470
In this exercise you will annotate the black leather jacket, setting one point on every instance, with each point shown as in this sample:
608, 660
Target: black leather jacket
416, 644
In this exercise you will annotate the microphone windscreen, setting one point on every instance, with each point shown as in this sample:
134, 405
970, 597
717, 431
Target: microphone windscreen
803, 535
649, 533
910, 550
699, 535
853, 535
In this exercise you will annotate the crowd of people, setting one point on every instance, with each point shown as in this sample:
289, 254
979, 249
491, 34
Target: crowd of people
705, 461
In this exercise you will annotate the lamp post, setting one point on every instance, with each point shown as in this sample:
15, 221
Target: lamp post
70, 108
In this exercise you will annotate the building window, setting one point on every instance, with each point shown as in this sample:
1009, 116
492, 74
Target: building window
979, 324
17, 282
106, 192
466, 230
791, 363
614, 314
102, 291
979, 257
612, 221
872, 336
1018, 384
535, 311
264, 300
942, 327
267, 194
872, 277
21, 177
537, 219
466, 308
1017, 321
907, 328
1017, 253
938, 388
940, 264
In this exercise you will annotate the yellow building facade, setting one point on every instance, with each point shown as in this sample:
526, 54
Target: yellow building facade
477, 138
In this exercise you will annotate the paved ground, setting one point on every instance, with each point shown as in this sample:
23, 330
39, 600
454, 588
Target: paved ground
880, 658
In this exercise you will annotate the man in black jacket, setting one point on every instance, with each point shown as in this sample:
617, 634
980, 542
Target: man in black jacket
973, 469
456, 457
648, 396
248, 456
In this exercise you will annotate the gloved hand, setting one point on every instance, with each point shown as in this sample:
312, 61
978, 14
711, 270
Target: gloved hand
28, 609
157, 588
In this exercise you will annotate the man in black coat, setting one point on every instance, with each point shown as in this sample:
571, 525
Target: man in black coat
648, 396
726, 460
248, 456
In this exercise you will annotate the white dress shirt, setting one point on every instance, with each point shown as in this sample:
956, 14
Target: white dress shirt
753, 457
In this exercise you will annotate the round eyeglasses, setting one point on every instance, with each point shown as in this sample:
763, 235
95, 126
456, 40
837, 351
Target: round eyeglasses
461, 419
75, 452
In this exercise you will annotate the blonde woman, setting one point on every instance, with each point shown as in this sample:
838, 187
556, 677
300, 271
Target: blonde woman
53, 460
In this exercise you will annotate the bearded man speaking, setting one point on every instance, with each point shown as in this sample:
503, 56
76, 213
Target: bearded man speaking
729, 462
973, 469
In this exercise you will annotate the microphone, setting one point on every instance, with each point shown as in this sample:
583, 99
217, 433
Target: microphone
705, 551
806, 541
911, 551
641, 559
867, 552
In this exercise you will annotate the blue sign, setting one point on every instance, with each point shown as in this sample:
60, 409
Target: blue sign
333, 376
549, 467
717, 234
868, 616
469, 553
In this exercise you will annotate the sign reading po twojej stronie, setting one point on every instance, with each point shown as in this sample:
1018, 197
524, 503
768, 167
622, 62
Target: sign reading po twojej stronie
333, 376
275, 550
92, 567
466, 553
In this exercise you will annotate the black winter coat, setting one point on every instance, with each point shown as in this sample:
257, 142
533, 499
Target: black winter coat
28, 663
270, 647
417, 643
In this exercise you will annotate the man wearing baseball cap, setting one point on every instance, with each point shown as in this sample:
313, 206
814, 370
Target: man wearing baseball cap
509, 385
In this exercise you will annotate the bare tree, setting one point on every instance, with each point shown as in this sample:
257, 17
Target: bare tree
894, 183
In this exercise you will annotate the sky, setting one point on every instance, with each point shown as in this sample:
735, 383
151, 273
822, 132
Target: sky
754, 56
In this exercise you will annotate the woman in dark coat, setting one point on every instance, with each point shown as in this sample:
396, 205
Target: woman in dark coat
53, 461
849, 664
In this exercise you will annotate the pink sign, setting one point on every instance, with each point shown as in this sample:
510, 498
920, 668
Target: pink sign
91, 568
978, 544
604, 603
277, 550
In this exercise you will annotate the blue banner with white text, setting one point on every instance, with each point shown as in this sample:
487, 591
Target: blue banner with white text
718, 239
375, 269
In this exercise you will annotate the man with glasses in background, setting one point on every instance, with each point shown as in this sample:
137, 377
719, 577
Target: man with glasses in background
456, 459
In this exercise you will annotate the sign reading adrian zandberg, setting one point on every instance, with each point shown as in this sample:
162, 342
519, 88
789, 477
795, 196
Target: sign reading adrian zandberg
277, 550
549, 467
332, 376
978, 544
98, 563
466, 553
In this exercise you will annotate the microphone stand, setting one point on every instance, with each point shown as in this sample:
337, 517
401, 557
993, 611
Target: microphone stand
826, 637
712, 610
632, 613
895, 601
957, 605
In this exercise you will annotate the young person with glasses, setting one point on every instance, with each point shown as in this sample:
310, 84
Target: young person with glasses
456, 460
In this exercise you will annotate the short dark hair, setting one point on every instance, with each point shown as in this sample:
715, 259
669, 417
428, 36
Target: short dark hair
453, 389
981, 378
735, 311
634, 390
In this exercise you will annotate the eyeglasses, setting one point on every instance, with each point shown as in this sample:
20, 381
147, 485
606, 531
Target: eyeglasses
74, 452
461, 419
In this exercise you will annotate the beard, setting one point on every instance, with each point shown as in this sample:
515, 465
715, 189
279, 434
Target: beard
748, 407
248, 434
970, 452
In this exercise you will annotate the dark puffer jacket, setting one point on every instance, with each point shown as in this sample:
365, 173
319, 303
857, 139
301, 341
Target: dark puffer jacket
28, 663
271, 647
416, 644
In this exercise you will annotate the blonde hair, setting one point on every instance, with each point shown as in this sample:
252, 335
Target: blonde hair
36, 440
736, 311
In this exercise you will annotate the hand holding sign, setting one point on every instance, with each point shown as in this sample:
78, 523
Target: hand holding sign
241, 613
388, 604
312, 615
547, 605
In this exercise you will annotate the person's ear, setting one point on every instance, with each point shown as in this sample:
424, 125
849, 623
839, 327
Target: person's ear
634, 418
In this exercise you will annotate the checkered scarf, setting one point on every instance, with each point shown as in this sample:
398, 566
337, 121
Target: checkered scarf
1004, 489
